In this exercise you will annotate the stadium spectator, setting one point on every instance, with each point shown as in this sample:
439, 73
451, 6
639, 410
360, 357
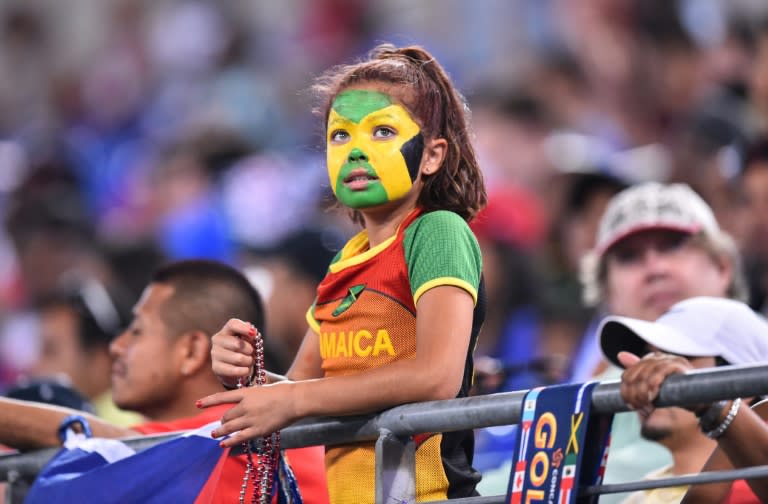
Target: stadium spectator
162, 363
77, 324
657, 244
695, 333
397, 316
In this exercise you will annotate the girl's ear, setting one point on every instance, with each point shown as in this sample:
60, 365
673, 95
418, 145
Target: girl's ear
433, 156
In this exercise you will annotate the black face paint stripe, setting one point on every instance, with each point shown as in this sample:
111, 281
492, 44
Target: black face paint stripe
412, 151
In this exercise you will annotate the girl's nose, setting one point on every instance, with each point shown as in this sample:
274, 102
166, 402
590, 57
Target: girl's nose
357, 156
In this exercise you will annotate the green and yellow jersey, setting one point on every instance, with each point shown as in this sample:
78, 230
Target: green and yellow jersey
365, 316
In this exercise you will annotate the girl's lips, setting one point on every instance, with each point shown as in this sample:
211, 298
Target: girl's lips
358, 179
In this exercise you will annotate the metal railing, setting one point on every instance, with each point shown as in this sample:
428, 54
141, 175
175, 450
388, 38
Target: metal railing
393, 428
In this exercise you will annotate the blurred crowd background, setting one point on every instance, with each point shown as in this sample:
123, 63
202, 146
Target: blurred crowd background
133, 132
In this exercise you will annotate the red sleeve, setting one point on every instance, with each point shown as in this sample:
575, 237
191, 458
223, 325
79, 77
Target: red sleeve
741, 494
308, 463
205, 417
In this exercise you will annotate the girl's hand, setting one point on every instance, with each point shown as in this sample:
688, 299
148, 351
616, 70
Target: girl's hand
232, 351
642, 379
258, 411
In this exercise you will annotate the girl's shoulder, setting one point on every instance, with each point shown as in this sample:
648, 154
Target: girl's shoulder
441, 218
440, 227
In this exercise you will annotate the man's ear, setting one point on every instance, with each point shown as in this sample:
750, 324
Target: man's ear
195, 350
433, 156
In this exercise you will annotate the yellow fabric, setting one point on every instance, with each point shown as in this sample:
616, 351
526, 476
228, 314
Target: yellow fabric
437, 282
356, 251
359, 487
107, 410
671, 495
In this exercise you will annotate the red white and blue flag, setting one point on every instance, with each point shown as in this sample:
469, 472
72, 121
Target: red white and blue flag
184, 469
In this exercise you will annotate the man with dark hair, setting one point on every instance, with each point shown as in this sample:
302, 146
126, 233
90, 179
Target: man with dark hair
162, 365
77, 324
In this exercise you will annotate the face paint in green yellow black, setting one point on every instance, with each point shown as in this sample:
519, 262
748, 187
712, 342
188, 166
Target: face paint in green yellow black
374, 149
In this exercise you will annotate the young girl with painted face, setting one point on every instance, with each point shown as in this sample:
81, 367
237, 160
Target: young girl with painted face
397, 316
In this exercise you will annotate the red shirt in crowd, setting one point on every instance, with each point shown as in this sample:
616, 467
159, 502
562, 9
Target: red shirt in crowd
307, 463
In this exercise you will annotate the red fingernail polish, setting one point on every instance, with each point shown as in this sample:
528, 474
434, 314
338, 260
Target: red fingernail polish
221, 445
199, 403
252, 331
213, 434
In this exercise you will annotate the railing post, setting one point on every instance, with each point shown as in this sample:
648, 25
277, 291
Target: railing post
16, 488
395, 469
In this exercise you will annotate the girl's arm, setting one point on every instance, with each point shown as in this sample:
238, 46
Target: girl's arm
307, 364
443, 329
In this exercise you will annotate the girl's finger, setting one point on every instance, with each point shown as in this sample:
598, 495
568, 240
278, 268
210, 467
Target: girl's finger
239, 437
230, 426
224, 369
229, 397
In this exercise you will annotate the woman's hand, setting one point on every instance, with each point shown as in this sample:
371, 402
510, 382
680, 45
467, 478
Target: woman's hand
642, 378
258, 411
232, 351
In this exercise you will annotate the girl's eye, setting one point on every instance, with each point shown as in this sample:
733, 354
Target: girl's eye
339, 136
383, 132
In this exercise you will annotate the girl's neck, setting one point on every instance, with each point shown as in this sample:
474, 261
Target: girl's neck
383, 224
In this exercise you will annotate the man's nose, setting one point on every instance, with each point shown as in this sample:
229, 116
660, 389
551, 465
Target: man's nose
116, 346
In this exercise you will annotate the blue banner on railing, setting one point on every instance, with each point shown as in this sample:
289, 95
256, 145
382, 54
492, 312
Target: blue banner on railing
559, 446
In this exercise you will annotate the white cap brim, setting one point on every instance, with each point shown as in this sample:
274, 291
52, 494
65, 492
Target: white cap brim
625, 334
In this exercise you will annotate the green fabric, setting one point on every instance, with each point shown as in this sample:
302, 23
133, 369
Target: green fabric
445, 248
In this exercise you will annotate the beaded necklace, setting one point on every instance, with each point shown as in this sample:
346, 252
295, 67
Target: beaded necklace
267, 448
